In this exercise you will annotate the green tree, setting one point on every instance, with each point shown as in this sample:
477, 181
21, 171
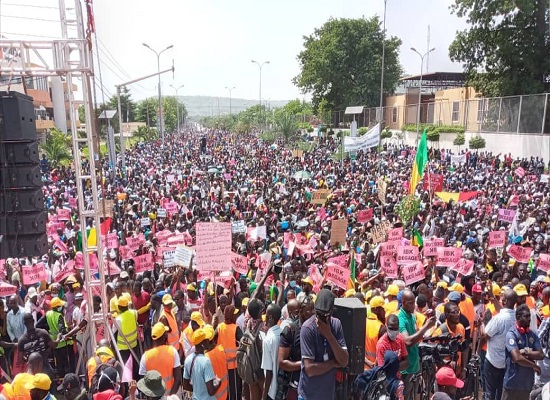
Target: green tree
476, 143
57, 148
287, 127
341, 62
459, 140
146, 111
506, 50
127, 105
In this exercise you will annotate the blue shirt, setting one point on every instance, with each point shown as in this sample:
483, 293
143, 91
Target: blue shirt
202, 372
518, 377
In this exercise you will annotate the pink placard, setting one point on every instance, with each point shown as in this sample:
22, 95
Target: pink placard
143, 263
6, 289
134, 242
506, 215
112, 241
389, 266
543, 262
175, 240
34, 274
3, 268
213, 246
407, 255
316, 277
497, 239
430, 246
448, 256
342, 260
322, 213
72, 202
171, 207
464, 267
92, 258
337, 275
63, 214
163, 236
364, 215
388, 249
66, 270
395, 234
264, 260
240, 263
521, 254
413, 273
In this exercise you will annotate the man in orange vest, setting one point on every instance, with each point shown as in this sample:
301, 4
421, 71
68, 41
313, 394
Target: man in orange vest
216, 354
187, 334
162, 358
103, 355
229, 334
375, 329
169, 320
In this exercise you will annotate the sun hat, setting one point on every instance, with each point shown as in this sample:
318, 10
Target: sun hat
158, 330
152, 385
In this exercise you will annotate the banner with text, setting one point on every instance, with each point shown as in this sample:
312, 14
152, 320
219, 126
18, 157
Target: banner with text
213, 246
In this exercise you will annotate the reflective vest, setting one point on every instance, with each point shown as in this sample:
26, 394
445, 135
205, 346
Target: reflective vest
371, 338
228, 339
187, 340
91, 367
467, 309
161, 359
219, 365
420, 320
18, 386
391, 307
52, 319
174, 334
128, 325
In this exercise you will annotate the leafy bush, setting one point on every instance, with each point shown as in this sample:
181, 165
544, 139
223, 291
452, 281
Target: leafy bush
361, 131
324, 129
432, 136
434, 128
476, 142
310, 129
459, 140
386, 133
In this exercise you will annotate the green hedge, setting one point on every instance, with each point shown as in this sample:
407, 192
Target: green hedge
434, 128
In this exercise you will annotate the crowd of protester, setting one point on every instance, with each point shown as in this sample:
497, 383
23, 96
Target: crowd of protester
265, 330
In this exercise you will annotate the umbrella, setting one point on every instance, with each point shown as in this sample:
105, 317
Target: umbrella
213, 170
302, 175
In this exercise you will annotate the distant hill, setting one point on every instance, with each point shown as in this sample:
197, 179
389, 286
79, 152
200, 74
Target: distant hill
209, 106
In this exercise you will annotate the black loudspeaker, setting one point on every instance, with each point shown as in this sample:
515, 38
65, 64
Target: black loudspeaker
23, 216
353, 316
17, 121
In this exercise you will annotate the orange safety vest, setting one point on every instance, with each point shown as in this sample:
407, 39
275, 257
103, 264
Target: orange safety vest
530, 301
467, 309
174, 334
371, 338
228, 339
18, 386
91, 368
161, 359
219, 365
420, 320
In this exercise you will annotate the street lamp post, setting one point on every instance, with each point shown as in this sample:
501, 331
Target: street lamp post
383, 62
260, 66
420, 89
230, 90
177, 105
161, 127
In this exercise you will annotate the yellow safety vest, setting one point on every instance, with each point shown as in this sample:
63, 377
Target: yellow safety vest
129, 327
52, 319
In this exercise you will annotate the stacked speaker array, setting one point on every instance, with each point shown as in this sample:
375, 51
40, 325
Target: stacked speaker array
23, 216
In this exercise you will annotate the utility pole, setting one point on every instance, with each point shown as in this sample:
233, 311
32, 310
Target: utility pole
230, 90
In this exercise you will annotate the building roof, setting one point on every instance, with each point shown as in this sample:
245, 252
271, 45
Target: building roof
435, 80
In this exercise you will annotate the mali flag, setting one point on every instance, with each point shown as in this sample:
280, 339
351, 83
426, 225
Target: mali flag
419, 162
351, 281
416, 239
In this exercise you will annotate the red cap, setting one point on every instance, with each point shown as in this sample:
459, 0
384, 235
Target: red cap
477, 288
446, 377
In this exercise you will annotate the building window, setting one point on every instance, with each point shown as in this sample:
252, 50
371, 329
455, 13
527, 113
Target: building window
394, 115
456, 111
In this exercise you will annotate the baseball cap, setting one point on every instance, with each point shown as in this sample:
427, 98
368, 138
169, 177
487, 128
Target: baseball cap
167, 299
32, 292
324, 301
245, 301
158, 330
191, 287
477, 288
78, 297
39, 381
521, 290
104, 353
457, 287
442, 284
70, 381
445, 376
496, 290
124, 275
349, 293
392, 290
197, 317
56, 302
454, 297
308, 279
122, 301
377, 301
199, 336
209, 331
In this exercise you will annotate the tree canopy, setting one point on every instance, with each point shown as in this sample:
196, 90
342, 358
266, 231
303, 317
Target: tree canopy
341, 63
506, 50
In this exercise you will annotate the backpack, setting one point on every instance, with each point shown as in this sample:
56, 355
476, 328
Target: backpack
370, 385
97, 374
249, 356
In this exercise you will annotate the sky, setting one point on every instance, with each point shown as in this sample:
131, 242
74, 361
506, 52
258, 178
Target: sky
215, 40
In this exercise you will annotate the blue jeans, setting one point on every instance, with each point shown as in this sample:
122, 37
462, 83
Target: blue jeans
494, 380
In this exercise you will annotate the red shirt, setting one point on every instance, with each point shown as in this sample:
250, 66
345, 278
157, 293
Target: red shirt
397, 346
139, 302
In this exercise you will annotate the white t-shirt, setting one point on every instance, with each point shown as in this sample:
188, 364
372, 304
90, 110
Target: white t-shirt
143, 370
270, 352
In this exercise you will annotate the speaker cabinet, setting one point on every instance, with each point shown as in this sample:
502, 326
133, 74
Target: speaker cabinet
353, 316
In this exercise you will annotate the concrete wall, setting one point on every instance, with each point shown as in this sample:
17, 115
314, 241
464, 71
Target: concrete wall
527, 145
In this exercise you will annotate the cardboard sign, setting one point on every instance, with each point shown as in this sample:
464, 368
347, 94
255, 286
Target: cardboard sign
297, 153
6, 289
171, 207
506, 215
543, 262
389, 266
106, 208
520, 172
464, 267
316, 276
395, 234
170, 178
364, 215
521, 254
63, 214
63, 272
238, 227
429, 248
112, 241
497, 239
176, 239
183, 256
168, 258
145, 221
544, 178
34, 274
413, 273
73, 202
264, 260
163, 236
388, 249
213, 246
240, 263
407, 255
380, 231
161, 212
320, 196
342, 260
433, 182
381, 187
133, 242
143, 263
448, 256
337, 275
338, 231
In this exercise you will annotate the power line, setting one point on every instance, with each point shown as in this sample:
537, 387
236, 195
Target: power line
31, 6
29, 35
30, 18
